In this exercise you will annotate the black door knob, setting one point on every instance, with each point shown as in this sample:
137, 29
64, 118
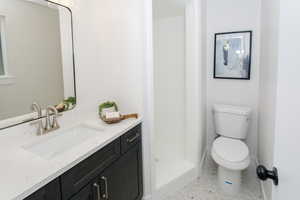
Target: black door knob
264, 174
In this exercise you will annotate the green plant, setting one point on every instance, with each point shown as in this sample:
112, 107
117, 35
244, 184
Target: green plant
71, 101
107, 104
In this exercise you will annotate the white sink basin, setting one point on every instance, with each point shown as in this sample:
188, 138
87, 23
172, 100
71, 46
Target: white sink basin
62, 141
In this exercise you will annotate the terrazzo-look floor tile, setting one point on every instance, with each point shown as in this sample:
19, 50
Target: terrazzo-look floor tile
206, 187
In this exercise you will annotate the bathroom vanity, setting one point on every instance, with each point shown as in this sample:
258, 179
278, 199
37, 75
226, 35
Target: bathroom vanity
79, 159
114, 172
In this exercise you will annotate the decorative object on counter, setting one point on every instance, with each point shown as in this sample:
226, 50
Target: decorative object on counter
122, 117
233, 55
67, 104
110, 114
107, 107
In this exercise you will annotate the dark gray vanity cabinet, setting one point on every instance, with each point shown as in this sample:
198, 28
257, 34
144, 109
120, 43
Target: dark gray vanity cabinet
123, 180
83, 173
48, 192
112, 173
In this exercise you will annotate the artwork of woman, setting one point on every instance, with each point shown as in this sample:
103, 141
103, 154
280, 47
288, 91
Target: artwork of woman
226, 48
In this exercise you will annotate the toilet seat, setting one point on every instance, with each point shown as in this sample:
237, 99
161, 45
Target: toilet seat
231, 153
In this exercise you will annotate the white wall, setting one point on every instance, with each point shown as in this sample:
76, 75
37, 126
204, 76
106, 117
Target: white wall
109, 38
203, 90
148, 100
195, 140
34, 66
226, 16
286, 147
268, 85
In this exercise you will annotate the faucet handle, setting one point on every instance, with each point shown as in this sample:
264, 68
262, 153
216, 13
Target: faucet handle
54, 124
37, 108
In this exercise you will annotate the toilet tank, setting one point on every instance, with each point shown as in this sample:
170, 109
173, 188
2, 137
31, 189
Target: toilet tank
231, 121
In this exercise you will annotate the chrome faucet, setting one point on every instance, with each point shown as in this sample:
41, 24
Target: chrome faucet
37, 108
50, 125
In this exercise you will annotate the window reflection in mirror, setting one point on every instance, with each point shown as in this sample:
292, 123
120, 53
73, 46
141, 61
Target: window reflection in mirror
39, 51
2, 47
1, 60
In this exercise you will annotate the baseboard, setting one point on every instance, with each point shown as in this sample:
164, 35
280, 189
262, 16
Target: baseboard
262, 187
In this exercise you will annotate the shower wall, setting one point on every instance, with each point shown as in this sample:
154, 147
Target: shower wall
169, 87
177, 134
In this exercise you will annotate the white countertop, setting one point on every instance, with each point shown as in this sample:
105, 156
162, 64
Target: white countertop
22, 172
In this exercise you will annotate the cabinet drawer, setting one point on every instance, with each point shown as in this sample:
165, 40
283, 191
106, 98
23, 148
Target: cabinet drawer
131, 138
80, 175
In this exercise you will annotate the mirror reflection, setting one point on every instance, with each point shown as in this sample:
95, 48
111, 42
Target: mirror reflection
36, 57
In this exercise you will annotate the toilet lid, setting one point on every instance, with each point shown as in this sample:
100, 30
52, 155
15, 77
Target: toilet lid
232, 150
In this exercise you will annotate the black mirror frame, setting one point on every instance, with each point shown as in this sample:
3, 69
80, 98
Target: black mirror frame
74, 68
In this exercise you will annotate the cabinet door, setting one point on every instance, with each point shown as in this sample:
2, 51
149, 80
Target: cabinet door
123, 180
82, 174
48, 192
85, 194
90, 192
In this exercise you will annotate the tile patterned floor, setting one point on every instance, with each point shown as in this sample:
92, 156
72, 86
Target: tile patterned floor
206, 188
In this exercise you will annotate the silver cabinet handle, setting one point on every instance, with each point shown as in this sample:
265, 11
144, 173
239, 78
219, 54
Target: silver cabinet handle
130, 140
105, 196
96, 185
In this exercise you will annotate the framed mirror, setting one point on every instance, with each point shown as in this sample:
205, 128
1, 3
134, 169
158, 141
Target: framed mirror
36, 59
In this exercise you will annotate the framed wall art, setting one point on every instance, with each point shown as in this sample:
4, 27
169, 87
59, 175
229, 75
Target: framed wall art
232, 58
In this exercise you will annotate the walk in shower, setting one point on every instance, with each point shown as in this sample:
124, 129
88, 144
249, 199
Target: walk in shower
176, 134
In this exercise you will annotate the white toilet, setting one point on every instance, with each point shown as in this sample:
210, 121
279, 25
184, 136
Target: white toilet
229, 151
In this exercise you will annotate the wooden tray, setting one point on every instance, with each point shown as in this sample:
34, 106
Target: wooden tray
117, 120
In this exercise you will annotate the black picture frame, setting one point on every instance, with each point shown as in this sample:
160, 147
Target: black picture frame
249, 56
